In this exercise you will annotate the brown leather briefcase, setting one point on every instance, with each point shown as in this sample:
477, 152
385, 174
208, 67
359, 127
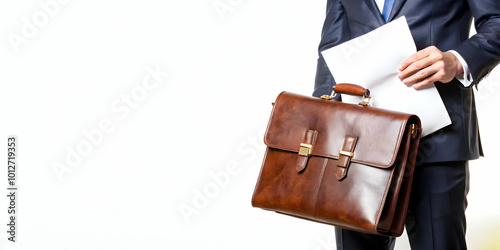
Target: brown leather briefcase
336, 163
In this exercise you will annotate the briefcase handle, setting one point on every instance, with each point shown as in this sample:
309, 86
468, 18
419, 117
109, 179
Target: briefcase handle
350, 89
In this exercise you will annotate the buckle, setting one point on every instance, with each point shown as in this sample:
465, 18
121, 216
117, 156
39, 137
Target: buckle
305, 149
346, 153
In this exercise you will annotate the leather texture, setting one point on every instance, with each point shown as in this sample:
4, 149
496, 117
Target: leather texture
351, 89
358, 173
444, 24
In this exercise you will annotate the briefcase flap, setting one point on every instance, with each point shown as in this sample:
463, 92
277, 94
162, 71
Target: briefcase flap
379, 132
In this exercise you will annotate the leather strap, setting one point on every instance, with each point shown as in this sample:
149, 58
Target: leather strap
305, 150
345, 156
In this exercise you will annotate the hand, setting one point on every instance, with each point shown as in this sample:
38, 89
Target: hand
428, 66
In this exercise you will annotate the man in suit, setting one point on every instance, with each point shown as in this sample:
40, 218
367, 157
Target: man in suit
454, 62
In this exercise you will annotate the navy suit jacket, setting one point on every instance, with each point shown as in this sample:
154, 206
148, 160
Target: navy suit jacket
444, 24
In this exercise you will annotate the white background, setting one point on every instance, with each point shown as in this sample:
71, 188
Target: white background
75, 68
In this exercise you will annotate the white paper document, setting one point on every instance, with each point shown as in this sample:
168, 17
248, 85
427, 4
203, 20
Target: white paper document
372, 61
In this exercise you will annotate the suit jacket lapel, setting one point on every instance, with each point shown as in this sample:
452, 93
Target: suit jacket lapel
375, 11
395, 8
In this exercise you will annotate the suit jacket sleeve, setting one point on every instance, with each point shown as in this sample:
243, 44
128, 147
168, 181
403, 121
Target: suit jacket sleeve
482, 51
335, 31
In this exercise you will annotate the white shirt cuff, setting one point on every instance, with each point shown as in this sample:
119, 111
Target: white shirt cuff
466, 79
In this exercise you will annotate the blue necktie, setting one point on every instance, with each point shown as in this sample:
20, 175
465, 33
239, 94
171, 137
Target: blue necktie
387, 9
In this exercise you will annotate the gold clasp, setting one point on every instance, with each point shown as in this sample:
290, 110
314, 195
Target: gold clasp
346, 153
365, 101
329, 97
413, 131
305, 149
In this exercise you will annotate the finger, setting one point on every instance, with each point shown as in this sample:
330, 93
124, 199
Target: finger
437, 76
422, 83
417, 70
435, 72
410, 60
415, 57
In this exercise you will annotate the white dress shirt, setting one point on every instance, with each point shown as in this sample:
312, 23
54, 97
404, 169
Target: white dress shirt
466, 79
